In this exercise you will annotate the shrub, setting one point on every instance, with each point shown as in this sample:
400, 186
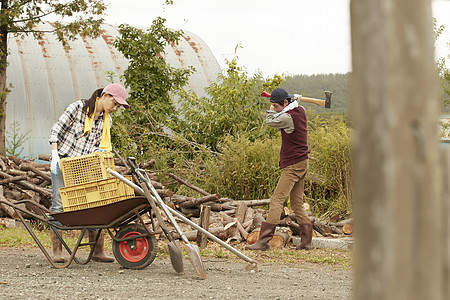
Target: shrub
245, 169
330, 161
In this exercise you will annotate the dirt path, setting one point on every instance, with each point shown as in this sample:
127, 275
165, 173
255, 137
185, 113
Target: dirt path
26, 274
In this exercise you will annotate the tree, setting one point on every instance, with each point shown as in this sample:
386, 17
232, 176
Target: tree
152, 82
21, 18
400, 205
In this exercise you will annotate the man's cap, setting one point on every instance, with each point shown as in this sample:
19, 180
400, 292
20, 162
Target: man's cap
118, 92
279, 95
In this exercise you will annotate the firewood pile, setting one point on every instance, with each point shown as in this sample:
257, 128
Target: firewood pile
230, 220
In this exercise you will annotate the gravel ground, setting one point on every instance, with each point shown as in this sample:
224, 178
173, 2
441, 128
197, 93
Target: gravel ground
26, 274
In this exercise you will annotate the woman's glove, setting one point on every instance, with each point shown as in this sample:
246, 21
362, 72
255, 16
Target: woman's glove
55, 162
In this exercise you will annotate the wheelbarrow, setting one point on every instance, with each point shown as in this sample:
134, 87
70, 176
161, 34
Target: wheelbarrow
134, 244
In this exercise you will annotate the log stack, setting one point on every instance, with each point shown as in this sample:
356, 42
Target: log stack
231, 220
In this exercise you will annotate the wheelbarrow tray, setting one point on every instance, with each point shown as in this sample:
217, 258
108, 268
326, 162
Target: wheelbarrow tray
100, 215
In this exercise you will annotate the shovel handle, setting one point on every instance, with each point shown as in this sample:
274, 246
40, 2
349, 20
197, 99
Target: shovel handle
186, 220
156, 198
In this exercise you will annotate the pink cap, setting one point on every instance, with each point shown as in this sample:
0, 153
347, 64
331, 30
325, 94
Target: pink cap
118, 92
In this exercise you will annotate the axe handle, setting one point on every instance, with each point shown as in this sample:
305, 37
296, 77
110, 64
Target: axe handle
313, 100
325, 103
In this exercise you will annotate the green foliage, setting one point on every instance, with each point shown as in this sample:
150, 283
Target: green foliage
16, 140
219, 142
443, 71
21, 17
329, 176
152, 113
246, 170
233, 107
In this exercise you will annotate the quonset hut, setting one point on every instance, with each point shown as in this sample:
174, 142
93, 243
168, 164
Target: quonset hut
46, 78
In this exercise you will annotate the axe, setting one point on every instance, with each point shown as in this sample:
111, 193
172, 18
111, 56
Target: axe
325, 103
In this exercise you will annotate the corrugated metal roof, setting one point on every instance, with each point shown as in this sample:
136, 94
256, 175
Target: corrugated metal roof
46, 78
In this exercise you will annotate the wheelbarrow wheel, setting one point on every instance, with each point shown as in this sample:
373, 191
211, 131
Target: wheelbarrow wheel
134, 254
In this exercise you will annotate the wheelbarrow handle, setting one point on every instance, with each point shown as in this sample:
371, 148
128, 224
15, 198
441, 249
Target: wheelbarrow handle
186, 220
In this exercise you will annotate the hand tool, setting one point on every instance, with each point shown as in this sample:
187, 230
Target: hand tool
175, 255
325, 103
192, 250
253, 265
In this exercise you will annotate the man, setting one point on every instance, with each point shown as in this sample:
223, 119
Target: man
290, 119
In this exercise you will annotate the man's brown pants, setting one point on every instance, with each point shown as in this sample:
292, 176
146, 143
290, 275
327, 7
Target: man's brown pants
291, 183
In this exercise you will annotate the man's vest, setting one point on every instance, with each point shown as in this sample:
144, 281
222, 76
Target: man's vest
294, 146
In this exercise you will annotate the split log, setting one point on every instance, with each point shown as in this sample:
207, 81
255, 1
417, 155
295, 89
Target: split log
241, 211
205, 213
241, 229
347, 228
288, 222
257, 220
8, 210
322, 227
280, 238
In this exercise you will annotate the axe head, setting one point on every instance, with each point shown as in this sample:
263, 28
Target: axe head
328, 99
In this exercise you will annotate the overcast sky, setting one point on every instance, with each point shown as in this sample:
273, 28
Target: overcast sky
276, 36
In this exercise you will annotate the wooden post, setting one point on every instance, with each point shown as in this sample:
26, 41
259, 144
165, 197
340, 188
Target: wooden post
400, 250
205, 213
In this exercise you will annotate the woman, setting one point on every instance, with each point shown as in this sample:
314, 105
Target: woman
82, 129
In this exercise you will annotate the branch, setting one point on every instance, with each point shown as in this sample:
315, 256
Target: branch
32, 18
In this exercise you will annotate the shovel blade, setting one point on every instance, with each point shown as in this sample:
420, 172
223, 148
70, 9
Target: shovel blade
196, 260
176, 258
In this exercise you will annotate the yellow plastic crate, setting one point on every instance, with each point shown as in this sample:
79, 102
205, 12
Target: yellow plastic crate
86, 168
95, 193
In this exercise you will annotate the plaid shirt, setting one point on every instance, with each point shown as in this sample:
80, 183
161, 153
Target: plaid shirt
68, 132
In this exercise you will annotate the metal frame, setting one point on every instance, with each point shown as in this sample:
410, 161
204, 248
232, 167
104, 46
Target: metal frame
134, 214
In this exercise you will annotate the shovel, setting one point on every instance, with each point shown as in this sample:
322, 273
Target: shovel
176, 257
192, 250
253, 265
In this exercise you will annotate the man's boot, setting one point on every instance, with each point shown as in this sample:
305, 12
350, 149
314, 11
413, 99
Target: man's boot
57, 248
99, 254
306, 236
265, 235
